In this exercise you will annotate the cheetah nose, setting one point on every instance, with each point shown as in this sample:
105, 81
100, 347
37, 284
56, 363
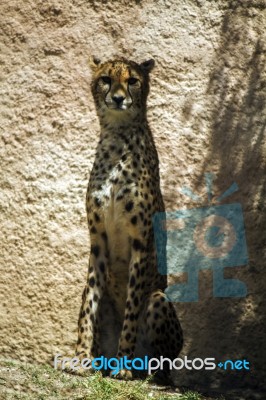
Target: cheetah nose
118, 99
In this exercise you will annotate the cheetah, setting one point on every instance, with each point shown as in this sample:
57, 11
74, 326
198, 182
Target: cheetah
124, 310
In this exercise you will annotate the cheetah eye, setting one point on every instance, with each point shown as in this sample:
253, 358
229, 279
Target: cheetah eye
132, 81
106, 79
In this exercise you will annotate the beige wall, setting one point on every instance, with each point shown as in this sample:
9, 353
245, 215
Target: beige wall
207, 112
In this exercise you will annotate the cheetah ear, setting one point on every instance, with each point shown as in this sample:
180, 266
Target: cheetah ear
147, 66
94, 62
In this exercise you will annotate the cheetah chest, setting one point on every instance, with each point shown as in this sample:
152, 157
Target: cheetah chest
116, 211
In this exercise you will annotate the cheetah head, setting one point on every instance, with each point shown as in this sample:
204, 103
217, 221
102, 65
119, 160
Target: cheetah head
120, 88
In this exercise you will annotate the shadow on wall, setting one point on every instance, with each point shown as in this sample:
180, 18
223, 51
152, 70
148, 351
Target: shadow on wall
236, 97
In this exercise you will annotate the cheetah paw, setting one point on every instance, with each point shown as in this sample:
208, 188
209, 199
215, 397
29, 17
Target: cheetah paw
68, 367
124, 374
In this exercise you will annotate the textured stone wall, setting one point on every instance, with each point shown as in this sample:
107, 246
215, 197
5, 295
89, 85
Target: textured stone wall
207, 113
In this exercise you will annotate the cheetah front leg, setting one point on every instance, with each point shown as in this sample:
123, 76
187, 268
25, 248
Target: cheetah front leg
135, 294
88, 332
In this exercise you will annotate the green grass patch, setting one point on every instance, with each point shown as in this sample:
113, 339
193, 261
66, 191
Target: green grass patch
26, 381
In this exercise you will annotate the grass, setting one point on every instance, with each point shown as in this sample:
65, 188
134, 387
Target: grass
26, 381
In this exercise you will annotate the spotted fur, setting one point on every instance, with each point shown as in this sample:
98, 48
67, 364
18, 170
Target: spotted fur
124, 310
